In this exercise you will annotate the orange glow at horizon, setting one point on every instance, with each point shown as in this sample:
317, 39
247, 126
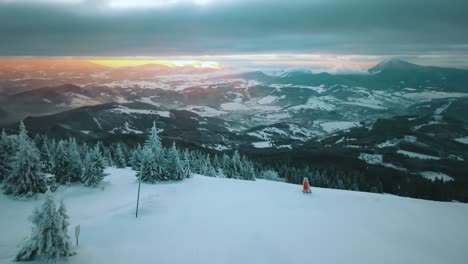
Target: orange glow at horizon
116, 63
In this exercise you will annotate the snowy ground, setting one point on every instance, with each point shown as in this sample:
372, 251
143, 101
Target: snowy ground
211, 220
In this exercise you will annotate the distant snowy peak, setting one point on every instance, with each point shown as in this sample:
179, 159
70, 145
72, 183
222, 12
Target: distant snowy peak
294, 73
393, 64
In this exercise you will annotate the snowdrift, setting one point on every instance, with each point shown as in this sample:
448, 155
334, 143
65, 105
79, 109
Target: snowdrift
211, 220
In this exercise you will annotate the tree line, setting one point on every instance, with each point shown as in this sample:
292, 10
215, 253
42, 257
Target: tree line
30, 165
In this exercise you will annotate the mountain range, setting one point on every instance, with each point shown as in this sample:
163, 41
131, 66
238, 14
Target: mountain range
399, 117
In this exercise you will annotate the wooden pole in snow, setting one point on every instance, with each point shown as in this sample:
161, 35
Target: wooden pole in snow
138, 197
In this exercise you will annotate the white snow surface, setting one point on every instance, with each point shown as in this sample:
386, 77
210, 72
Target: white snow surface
416, 155
213, 220
203, 110
233, 107
333, 126
270, 99
463, 140
126, 110
432, 175
262, 144
316, 103
377, 159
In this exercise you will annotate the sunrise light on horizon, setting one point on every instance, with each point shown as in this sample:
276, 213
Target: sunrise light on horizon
116, 63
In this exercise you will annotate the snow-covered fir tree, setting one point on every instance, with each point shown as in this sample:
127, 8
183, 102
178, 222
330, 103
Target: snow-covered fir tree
47, 156
226, 165
108, 159
209, 169
26, 177
174, 166
186, 163
235, 166
68, 166
76, 165
7, 151
154, 143
65, 246
93, 167
220, 173
153, 163
150, 169
135, 160
270, 174
120, 159
247, 171
61, 163
49, 238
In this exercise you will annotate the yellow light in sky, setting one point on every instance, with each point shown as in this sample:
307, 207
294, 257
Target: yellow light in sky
169, 63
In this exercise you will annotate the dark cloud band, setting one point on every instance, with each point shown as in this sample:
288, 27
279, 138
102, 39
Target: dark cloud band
374, 27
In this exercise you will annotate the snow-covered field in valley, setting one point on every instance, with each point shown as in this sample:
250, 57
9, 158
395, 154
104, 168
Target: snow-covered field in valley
212, 220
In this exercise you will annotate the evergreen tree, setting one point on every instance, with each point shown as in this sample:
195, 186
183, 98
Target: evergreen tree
271, 175
174, 165
152, 167
216, 162
226, 165
49, 239
210, 170
26, 178
61, 164
121, 161
186, 163
76, 165
135, 160
68, 166
235, 165
93, 167
154, 143
47, 156
220, 173
6, 155
247, 171
65, 246
109, 161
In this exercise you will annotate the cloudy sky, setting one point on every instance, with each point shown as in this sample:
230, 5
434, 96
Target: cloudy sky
335, 34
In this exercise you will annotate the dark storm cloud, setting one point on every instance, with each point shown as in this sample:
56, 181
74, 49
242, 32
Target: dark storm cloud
369, 27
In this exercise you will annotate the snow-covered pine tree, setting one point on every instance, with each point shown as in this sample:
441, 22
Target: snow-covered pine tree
109, 160
247, 170
93, 167
154, 143
48, 240
65, 246
152, 167
76, 165
220, 173
120, 160
6, 155
67, 163
180, 172
226, 165
135, 160
271, 175
210, 170
26, 177
150, 170
174, 166
61, 163
186, 163
236, 165
216, 162
47, 157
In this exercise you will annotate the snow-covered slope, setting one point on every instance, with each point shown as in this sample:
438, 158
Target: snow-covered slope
212, 220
